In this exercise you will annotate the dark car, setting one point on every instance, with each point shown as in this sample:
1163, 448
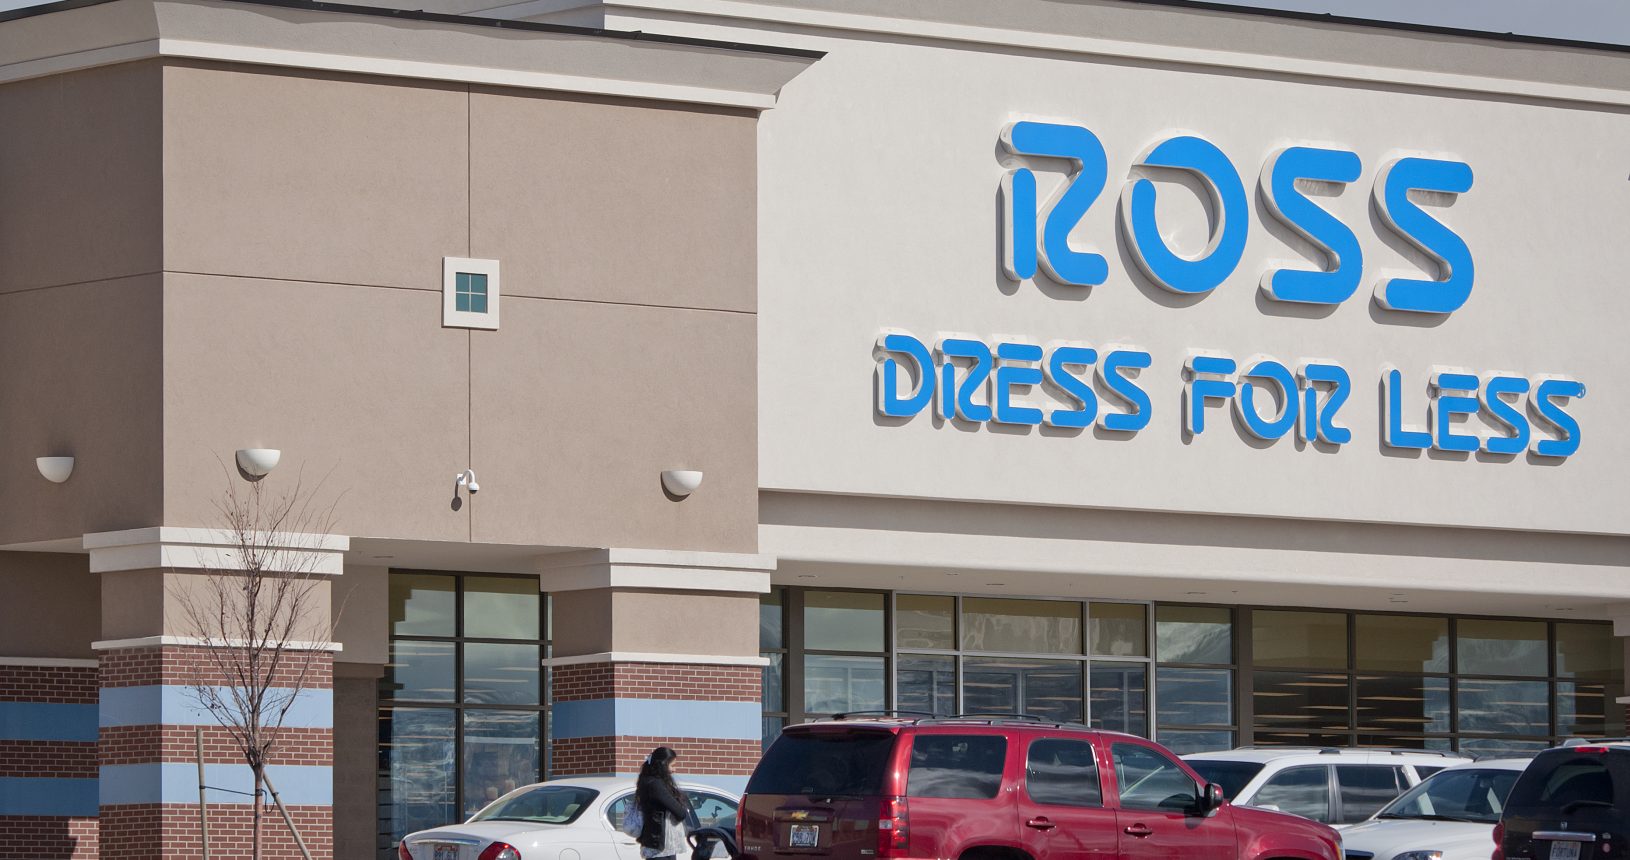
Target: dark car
1572, 803
998, 789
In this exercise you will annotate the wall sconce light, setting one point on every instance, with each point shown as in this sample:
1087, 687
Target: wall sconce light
466, 479
681, 482
257, 462
55, 469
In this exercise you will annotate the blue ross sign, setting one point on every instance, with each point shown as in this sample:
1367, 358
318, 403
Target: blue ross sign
967, 379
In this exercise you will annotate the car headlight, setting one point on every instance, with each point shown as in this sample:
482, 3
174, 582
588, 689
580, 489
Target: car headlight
1420, 855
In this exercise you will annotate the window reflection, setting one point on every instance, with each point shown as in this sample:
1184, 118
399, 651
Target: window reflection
416, 756
835, 685
1403, 704
927, 684
1045, 688
1021, 626
924, 621
1504, 707
501, 607
422, 604
500, 754
1118, 629
843, 620
419, 671
501, 674
1194, 634
1293, 700
1486, 647
1305, 640
1120, 697
1195, 697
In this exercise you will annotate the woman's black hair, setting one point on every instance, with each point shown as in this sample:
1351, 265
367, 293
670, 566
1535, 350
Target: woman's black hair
658, 765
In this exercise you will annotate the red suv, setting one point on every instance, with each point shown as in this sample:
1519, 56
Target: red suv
998, 789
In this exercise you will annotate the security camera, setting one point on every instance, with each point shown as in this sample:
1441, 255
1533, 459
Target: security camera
474, 487
466, 479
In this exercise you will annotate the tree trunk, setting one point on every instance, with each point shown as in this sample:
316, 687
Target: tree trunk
254, 837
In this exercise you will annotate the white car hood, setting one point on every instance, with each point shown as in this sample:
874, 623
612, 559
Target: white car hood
1387, 838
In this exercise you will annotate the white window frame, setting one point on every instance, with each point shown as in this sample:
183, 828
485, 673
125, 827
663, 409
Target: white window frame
451, 316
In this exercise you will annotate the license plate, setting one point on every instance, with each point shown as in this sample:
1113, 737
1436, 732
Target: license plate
446, 852
1564, 851
808, 835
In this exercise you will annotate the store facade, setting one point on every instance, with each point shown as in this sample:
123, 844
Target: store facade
1218, 377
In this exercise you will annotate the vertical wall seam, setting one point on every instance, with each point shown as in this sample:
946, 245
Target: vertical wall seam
469, 251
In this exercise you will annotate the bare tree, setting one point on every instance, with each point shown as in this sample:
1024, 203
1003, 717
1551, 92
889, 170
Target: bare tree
260, 613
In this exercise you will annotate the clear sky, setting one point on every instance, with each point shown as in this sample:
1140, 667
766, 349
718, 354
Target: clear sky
1585, 20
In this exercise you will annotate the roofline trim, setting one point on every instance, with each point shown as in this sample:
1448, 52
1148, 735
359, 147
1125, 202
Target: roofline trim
460, 20
1375, 23
1040, 42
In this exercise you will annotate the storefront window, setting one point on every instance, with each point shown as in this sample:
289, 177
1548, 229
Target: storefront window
838, 684
843, 620
1045, 688
1021, 626
1487, 647
1119, 629
1401, 643
1194, 682
1401, 703
1504, 707
925, 621
473, 645
772, 646
1119, 696
926, 684
1303, 640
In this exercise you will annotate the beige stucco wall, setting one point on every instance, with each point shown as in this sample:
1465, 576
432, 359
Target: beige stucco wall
310, 321
142, 603
654, 622
51, 605
79, 301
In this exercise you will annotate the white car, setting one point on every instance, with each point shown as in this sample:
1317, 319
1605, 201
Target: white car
1448, 817
1338, 787
562, 819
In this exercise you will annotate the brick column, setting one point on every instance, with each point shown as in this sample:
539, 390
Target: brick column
148, 761
47, 759
608, 716
151, 666
654, 648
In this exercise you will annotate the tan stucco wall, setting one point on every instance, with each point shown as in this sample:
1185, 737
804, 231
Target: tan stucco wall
310, 321
51, 605
79, 301
362, 615
356, 759
141, 603
654, 622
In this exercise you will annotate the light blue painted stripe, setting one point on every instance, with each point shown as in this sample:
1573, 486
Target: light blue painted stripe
45, 721
177, 782
47, 796
177, 706
674, 718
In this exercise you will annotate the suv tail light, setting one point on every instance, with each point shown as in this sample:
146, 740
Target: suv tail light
893, 828
1499, 842
500, 851
402, 851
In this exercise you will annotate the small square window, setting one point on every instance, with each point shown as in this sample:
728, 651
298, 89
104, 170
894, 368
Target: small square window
469, 293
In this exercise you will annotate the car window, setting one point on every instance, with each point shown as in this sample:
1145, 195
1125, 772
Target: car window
618, 808
1063, 773
1149, 779
1230, 776
1576, 781
1365, 788
1303, 791
711, 810
1472, 794
965, 766
824, 764
550, 804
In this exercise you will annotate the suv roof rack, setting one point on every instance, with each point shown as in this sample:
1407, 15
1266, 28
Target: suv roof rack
882, 712
1340, 750
997, 715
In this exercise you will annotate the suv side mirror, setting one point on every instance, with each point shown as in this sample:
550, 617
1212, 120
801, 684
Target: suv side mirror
1211, 797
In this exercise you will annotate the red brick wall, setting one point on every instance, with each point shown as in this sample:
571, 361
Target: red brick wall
60, 685
624, 754
48, 837
656, 681
138, 744
170, 832
38, 837
181, 665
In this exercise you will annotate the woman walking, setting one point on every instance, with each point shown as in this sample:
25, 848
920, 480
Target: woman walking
663, 806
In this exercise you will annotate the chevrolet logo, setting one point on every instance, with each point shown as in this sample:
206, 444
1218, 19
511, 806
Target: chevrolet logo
799, 815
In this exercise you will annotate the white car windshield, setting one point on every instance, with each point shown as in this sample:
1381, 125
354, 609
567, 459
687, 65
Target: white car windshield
546, 804
1458, 794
